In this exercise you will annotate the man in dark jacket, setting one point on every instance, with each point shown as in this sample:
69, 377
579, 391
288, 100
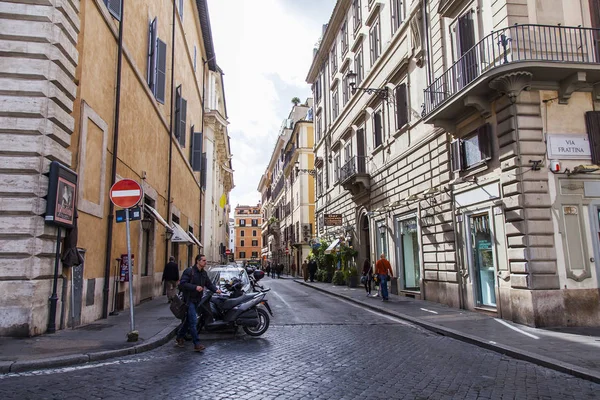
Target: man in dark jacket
312, 269
170, 277
194, 281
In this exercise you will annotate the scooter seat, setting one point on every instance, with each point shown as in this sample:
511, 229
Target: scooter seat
230, 303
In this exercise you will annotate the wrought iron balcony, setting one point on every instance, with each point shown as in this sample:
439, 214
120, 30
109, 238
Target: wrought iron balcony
551, 53
354, 176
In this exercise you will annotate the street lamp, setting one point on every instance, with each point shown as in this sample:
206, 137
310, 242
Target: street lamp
147, 223
169, 234
382, 93
305, 171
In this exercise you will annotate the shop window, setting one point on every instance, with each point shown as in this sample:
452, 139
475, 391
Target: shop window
474, 149
481, 257
408, 253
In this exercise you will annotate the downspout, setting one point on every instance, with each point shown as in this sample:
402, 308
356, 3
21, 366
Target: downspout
325, 126
171, 131
426, 32
113, 178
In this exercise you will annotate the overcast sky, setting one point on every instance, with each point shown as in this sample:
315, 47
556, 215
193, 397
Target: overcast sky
265, 49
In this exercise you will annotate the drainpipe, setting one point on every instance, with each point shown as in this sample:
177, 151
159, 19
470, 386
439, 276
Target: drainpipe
113, 178
426, 32
171, 130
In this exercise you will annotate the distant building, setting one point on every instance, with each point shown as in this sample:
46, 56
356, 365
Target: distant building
231, 244
248, 220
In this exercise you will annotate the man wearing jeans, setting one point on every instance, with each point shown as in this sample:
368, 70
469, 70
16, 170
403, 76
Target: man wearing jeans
382, 269
193, 282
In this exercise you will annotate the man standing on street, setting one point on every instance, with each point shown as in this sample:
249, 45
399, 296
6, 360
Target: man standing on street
170, 277
383, 269
193, 282
305, 270
312, 269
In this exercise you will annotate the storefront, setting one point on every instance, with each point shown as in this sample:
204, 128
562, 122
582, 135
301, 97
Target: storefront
407, 253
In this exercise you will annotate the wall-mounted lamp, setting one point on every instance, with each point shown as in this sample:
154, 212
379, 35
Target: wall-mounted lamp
304, 171
382, 93
168, 234
147, 223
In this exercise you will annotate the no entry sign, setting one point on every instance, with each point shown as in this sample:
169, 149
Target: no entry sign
126, 193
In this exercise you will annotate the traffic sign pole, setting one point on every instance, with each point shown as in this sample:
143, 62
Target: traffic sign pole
132, 336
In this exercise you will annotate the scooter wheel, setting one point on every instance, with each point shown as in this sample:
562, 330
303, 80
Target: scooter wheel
262, 326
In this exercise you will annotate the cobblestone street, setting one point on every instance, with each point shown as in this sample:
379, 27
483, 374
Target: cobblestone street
347, 353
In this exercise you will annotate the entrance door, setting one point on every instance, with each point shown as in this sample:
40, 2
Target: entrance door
408, 253
365, 244
481, 259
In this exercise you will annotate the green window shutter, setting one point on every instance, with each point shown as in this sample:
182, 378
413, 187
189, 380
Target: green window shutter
161, 68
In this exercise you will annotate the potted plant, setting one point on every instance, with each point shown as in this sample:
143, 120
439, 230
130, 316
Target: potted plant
352, 276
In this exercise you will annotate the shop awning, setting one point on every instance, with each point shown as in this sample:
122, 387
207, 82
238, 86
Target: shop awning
194, 239
179, 235
332, 246
157, 217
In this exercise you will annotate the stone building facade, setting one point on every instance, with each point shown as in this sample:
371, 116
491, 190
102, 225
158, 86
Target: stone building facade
248, 222
60, 66
467, 157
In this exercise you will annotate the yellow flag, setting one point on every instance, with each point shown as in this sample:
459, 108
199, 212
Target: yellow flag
223, 201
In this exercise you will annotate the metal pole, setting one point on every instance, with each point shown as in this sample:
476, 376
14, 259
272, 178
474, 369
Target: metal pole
132, 336
54, 296
72, 297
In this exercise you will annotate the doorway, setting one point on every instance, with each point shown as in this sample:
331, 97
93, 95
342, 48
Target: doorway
407, 253
481, 258
365, 241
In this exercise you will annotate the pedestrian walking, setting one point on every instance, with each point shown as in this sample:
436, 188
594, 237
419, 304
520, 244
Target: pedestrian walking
367, 276
194, 281
383, 269
279, 269
170, 277
305, 270
268, 269
312, 269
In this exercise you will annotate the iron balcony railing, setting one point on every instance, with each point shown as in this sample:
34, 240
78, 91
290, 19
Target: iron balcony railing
278, 187
355, 165
517, 43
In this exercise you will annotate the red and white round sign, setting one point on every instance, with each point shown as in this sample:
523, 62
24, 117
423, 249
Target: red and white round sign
126, 193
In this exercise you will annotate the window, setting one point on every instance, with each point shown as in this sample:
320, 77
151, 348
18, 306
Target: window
335, 105
345, 89
242, 233
242, 243
336, 167
333, 59
348, 152
377, 129
157, 62
114, 7
480, 255
242, 254
253, 233
475, 148
181, 9
397, 15
375, 41
359, 66
242, 222
401, 106
344, 37
356, 18
317, 89
320, 183
318, 123
180, 116
195, 57
465, 40
407, 253
196, 150
254, 222
255, 254
255, 243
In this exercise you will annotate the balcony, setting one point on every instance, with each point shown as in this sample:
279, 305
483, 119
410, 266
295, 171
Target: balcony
564, 58
355, 178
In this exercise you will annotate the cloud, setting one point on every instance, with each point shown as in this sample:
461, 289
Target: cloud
265, 49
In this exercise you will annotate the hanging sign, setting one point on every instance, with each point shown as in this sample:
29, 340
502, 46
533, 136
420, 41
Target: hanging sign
333, 219
62, 192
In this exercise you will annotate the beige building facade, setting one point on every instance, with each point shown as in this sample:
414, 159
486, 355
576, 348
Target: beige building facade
467, 157
71, 116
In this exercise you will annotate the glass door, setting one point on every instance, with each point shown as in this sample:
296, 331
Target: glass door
408, 253
482, 261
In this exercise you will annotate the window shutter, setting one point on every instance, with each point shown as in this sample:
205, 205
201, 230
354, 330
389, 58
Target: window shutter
377, 128
177, 121
114, 7
484, 136
455, 149
161, 68
197, 139
182, 120
203, 172
592, 122
466, 33
181, 9
151, 78
401, 105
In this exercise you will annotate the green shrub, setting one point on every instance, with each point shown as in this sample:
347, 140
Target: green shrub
321, 275
339, 278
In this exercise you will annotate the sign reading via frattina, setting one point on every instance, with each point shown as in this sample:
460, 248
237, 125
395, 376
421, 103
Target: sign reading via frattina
333, 219
568, 146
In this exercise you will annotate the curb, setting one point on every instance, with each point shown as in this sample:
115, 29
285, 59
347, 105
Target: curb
155, 341
513, 352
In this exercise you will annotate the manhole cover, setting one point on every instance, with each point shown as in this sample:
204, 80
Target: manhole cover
94, 327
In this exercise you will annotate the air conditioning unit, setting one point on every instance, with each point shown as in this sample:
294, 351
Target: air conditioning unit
306, 232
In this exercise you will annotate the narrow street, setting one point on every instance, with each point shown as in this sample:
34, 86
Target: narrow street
318, 347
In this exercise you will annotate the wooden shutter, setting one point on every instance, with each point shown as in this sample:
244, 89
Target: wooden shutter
182, 121
377, 129
456, 153
177, 122
592, 122
114, 7
161, 70
401, 105
484, 137
196, 150
151, 77
203, 172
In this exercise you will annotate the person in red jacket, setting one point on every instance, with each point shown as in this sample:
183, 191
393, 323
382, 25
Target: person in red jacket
383, 269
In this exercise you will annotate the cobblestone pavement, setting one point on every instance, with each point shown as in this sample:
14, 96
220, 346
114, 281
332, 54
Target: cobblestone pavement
368, 357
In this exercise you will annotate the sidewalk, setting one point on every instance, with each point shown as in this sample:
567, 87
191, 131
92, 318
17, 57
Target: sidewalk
575, 351
102, 339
